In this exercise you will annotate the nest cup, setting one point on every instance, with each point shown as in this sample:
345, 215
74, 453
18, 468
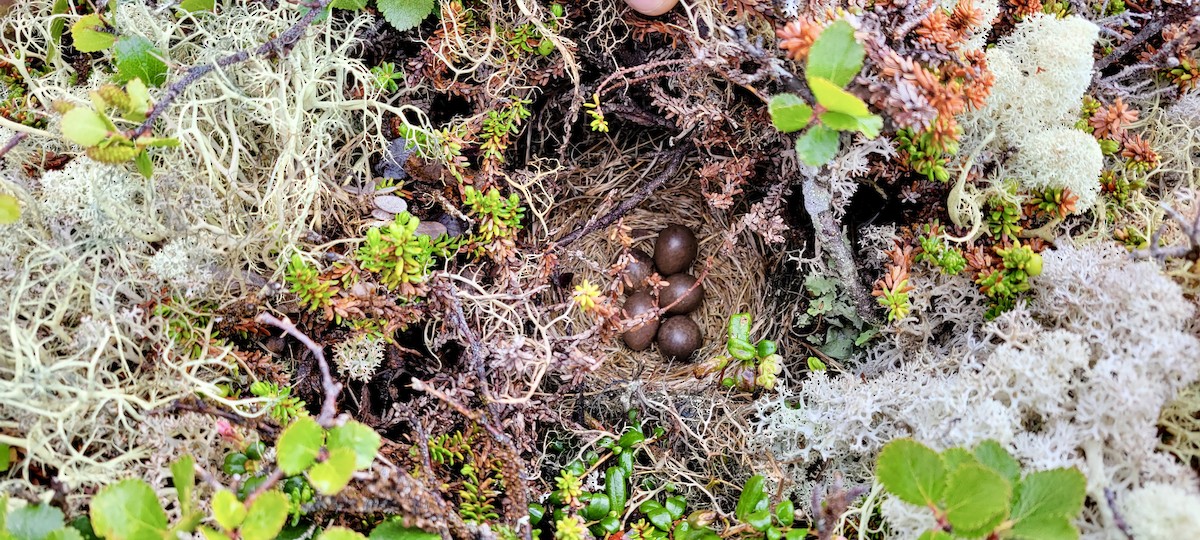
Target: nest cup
736, 281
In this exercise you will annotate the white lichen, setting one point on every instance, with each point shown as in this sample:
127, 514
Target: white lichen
357, 358
1101, 348
1161, 512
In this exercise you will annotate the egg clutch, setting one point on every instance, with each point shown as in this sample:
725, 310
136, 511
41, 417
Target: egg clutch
676, 335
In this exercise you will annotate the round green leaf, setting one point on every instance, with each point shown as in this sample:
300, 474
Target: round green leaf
953, 458
128, 510
597, 507
358, 437
10, 212
991, 454
911, 471
785, 513
65, 533
675, 506
88, 36
834, 99
340, 533
788, 113
817, 146
977, 498
404, 14
136, 58
331, 476
266, 516
84, 126
1053, 493
228, 510
298, 445
349, 4
210, 534
1045, 528
760, 520
835, 55
34, 522
660, 518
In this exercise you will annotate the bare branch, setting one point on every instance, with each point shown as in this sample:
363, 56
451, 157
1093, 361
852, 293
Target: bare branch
12, 143
331, 388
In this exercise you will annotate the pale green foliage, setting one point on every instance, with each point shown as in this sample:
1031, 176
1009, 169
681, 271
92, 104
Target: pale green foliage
836, 57
401, 14
976, 494
359, 356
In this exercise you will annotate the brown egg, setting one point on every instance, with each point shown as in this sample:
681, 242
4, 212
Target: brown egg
635, 273
675, 249
679, 337
639, 337
652, 7
678, 287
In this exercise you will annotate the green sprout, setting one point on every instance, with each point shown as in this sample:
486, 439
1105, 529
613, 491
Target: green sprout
753, 365
401, 257
386, 77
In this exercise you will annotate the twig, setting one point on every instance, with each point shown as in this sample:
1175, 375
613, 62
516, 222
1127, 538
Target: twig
1148, 30
331, 388
676, 159
12, 143
279, 43
1190, 230
1110, 497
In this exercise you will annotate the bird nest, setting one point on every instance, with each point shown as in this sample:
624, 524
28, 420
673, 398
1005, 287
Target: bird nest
706, 420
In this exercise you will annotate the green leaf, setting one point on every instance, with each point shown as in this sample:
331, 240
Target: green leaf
817, 146
65, 533
911, 471
298, 445
84, 126
675, 506
136, 58
183, 473
795, 534
1052, 493
740, 349
266, 516
785, 513
953, 458
139, 101
34, 522
393, 529
331, 476
788, 113
128, 510
614, 486
833, 98
739, 326
193, 6
835, 55
227, 509
340, 533
991, 454
753, 498
760, 520
631, 437
349, 4
210, 534
935, 535
660, 518
145, 165
404, 14
358, 437
10, 212
87, 35
597, 507
977, 498
1045, 528
867, 125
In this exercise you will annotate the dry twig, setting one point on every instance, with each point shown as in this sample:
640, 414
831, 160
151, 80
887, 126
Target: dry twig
331, 388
